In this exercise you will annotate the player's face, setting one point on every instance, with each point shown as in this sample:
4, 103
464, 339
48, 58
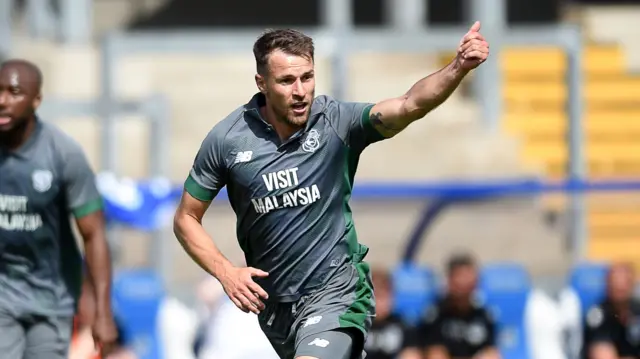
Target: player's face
289, 87
19, 97
462, 282
621, 283
383, 298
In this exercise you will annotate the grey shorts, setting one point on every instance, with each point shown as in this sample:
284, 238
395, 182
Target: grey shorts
34, 337
346, 302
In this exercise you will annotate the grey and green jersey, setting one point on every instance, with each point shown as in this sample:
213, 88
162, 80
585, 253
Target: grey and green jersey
41, 185
291, 199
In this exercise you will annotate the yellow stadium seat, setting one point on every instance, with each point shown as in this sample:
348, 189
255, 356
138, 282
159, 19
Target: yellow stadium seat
608, 219
613, 249
610, 90
604, 159
601, 201
600, 152
556, 123
557, 169
535, 95
552, 62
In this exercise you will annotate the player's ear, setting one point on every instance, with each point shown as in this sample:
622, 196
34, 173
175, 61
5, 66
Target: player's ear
261, 83
37, 101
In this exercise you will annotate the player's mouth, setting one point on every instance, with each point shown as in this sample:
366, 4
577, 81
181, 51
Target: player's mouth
299, 108
5, 119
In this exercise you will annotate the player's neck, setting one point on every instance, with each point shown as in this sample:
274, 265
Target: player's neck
17, 137
621, 307
460, 305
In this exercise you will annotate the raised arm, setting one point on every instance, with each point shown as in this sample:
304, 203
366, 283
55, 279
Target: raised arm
207, 177
390, 117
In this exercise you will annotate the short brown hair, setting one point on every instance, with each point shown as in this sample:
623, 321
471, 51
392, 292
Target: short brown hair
459, 260
288, 41
381, 280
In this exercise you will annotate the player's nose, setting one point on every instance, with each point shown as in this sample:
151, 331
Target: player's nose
298, 88
3, 98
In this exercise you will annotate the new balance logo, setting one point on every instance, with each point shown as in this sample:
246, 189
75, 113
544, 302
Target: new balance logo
244, 156
312, 321
322, 343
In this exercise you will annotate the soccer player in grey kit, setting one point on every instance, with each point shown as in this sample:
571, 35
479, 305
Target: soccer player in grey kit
44, 180
288, 160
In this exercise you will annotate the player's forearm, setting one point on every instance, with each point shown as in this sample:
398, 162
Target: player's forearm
490, 353
199, 245
436, 352
603, 351
410, 353
430, 92
99, 266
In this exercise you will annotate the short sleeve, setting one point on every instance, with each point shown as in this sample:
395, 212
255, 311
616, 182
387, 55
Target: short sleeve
491, 331
208, 173
83, 197
353, 124
597, 327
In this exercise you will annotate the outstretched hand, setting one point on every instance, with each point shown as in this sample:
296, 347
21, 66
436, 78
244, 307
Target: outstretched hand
105, 333
473, 49
242, 290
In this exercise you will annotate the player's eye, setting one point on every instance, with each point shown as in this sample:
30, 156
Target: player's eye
287, 81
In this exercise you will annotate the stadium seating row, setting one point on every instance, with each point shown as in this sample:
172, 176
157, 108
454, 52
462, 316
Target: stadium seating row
505, 288
535, 95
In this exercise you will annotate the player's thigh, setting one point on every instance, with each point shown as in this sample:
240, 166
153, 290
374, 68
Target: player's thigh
275, 322
48, 338
332, 344
12, 337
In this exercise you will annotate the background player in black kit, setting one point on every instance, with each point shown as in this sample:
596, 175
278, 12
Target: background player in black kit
456, 326
44, 180
388, 335
612, 328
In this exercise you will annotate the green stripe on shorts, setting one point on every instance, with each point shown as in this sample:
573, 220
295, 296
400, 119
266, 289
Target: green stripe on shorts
362, 309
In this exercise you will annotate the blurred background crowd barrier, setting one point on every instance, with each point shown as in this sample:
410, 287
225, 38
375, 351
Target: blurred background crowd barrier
535, 161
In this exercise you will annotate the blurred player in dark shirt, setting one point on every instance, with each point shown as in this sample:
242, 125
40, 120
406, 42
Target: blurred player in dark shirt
388, 333
612, 329
457, 326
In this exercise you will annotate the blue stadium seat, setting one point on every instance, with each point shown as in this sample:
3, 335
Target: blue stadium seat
589, 281
414, 287
504, 289
137, 296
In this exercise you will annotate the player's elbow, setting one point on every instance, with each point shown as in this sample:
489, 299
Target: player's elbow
179, 223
